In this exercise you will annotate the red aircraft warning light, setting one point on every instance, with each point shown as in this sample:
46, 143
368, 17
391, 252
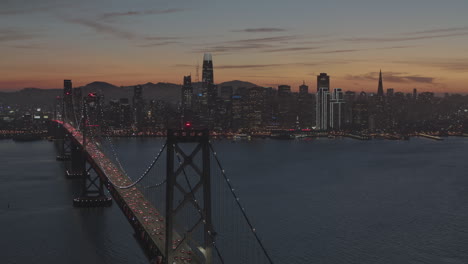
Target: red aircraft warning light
188, 125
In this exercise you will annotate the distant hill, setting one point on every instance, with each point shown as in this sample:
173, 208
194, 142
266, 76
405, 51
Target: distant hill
160, 91
236, 84
32, 97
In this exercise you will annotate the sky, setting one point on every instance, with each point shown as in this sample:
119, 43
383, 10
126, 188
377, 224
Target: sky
418, 44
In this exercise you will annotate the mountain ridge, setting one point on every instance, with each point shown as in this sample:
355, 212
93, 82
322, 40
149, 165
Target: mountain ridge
169, 92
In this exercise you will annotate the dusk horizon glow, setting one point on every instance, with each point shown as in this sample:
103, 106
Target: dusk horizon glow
422, 47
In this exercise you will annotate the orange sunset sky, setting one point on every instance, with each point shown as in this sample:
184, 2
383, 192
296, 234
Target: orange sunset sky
267, 43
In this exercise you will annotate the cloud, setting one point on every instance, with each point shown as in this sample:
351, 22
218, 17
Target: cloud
439, 30
263, 40
232, 48
140, 13
259, 44
18, 11
14, 34
291, 49
241, 66
338, 51
265, 76
396, 39
18, 7
393, 77
159, 38
102, 28
26, 46
449, 64
249, 66
259, 30
398, 47
156, 44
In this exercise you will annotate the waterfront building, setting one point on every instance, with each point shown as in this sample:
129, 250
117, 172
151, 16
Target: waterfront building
138, 107
303, 89
322, 101
390, 92
187, 93
336, 109
284, 90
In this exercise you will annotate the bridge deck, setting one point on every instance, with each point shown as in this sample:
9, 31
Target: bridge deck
148, 217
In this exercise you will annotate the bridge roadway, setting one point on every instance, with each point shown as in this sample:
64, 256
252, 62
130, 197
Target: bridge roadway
148, 223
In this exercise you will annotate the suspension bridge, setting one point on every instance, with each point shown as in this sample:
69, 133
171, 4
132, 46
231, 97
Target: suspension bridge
183, 207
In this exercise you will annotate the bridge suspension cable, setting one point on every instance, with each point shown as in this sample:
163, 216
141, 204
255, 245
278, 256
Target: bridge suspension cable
202, 215
116, 157
144, 173
151, 165
236, 198
77, 120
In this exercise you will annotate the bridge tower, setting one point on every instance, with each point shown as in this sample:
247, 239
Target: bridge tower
92, 192
188, 194
66, 114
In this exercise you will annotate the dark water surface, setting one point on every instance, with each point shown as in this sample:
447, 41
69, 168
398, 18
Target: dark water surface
319, 201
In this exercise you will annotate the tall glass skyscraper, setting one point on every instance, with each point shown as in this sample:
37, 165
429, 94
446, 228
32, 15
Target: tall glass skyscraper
322, 101
207, 80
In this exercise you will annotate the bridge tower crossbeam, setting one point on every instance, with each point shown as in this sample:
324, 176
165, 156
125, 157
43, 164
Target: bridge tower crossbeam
92, 193
188, 193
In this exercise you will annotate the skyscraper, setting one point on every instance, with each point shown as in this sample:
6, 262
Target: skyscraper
322, 101
187, 92
390, 92
380, 92
284, 90
337, 109
303, 89
67, 109
138, 106
208, 88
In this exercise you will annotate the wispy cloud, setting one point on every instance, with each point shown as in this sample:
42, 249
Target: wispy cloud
257, 44
26, 46
449, 64
260, 30
393, 77
438, 30
267, 39
292, 49
140, 13
8, 34
268, 65
165, 38
156, 44
397, 39
19, 11
102, 28
233, 48
249, 66
337, 51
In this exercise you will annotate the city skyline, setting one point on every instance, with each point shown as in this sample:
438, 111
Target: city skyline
425, 48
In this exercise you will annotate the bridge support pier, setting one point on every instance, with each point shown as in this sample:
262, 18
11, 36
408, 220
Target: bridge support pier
65, 148
75, 169
92, 193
